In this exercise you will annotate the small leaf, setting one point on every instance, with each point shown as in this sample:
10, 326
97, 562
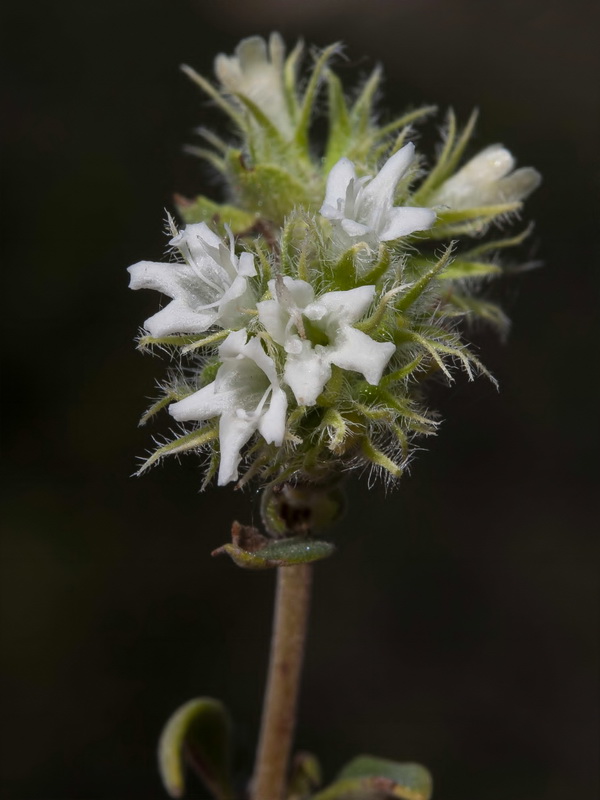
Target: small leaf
284, 553
198, 733
412, 781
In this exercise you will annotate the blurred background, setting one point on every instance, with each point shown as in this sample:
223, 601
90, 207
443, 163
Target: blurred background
457, 625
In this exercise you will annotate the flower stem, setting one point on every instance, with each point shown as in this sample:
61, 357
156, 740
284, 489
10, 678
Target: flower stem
283, 681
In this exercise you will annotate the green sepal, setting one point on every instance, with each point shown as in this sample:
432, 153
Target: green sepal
308, 99
362, 110
417, 289
189, 441
344, 272
412, 781
482, 309
144, 342
305, 776
283, 553
199, 734
470, 221
339, 122
201, 209
158, 405
458, 270
379, 459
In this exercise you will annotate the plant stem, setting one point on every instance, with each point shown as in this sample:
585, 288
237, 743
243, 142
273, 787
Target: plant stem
292, 602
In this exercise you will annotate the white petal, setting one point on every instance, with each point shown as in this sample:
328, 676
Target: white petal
254, 350
277, 50
252, 52
487, 166
519, 185
274, 318
380, 191
295, 292
307, 373
272, 423
234, 304
337, 184
353, 228
234, 432
174, 280
406, 220
193, 237
342, 307
178, 317
356, 351
233, 345
246, 266
200, 405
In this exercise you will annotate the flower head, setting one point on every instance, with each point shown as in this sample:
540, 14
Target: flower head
247, 397
363, 208
209, 288
256, 73
487, 179
351, 318
318, 333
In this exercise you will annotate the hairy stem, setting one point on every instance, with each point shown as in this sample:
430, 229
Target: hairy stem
283, 681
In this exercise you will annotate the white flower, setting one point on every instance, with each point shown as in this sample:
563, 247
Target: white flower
210, 288
487, 179
258, 75
245, 394
363, 208
319, 333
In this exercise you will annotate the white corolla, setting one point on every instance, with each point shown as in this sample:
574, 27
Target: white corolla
210, 288
247, 397
363, 208
318, 332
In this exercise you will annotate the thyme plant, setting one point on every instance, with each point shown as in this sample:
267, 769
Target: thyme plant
307, 314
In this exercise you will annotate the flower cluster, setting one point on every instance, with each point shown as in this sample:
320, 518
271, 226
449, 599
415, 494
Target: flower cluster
313, 306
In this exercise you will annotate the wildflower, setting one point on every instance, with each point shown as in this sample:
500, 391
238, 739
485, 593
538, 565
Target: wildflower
487, 179
210, 288
247, 397
258, 76
318, 333
363, 207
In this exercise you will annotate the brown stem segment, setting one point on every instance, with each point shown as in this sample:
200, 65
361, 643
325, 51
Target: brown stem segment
292, 602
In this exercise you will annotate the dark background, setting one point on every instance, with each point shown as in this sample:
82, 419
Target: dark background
457, 624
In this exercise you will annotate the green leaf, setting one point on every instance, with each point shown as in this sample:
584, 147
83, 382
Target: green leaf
284, 553
201, 209
198, 733
412, 781
305, 776
366, 788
